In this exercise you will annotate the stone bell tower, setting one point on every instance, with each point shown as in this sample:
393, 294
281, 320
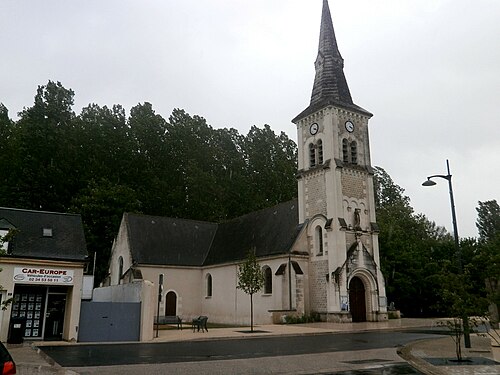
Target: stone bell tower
336, 194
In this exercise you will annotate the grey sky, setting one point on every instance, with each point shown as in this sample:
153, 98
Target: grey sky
429, 70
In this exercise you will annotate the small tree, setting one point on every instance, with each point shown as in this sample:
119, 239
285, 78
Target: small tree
250, 279
3, 239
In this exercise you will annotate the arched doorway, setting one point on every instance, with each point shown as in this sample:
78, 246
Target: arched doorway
357, 300
171, 304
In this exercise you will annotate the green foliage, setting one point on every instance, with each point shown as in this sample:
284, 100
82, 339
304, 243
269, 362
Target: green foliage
250, 275
487, 257
412, 249
250, 279
293, 319
488, 220
101, 163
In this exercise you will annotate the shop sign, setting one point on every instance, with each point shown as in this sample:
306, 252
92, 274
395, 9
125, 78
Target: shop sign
42, 275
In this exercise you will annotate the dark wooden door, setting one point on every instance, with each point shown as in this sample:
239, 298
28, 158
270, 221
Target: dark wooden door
357, 300
171, 304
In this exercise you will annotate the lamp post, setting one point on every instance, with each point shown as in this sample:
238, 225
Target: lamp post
429, 182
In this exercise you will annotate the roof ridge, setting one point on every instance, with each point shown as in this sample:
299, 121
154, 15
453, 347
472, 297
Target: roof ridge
40, 211
171, 217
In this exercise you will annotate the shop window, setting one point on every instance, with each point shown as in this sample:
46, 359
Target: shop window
209, 285
319, 239
268, 280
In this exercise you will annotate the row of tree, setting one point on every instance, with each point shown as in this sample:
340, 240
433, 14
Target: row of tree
425, 276
101, 163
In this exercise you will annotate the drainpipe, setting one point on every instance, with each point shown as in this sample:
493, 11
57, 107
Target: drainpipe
290, 280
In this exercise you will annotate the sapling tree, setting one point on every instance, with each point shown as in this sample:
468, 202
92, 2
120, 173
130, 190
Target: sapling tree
250, 279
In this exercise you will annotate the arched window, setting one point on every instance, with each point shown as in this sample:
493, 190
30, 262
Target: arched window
120, 269
354, 152
319, 239
209, 285
312, 155
345, 151
268, 280
320, 151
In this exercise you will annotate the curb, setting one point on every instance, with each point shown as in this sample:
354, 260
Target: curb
418, 363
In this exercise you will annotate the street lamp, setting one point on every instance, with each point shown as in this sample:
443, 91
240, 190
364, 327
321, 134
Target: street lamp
429, 182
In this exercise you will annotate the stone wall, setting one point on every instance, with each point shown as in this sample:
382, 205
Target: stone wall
318, 285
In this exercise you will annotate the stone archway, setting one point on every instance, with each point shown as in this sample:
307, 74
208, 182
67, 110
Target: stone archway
357, 300
171, 304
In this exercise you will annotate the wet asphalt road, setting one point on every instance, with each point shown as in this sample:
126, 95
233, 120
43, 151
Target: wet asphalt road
225, 349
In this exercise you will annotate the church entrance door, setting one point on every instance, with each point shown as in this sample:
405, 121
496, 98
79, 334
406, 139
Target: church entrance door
171, 304
357, 300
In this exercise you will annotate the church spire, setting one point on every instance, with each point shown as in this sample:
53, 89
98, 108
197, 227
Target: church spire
329, 82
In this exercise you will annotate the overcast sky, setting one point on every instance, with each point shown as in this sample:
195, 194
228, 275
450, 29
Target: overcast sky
429, 70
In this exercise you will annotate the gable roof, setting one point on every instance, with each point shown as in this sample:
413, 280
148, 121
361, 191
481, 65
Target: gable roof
168, 241
159, 240
270, 231
66, 242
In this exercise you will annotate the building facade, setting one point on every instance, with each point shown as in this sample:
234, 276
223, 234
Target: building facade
319, 253
43, 258
336, 193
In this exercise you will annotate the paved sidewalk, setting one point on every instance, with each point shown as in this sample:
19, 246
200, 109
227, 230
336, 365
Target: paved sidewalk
30, 360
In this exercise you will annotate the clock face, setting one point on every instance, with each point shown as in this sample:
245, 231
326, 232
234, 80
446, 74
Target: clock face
314, 128
349, 126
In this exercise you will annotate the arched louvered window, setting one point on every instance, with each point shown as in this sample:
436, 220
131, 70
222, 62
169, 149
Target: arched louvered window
320, 151
312, 155
354, 152
345, 151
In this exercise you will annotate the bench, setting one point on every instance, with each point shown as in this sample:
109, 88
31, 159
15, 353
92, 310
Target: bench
200, 322
170, 320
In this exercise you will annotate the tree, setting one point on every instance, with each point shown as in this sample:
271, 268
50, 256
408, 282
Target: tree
40, 168
102, 205
488, 220
488, 257
250, 279
411, 249
272, 165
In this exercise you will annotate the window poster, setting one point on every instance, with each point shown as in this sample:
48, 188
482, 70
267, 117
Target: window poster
29, 306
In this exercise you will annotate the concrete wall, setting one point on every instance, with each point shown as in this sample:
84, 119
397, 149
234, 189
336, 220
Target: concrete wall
139, 291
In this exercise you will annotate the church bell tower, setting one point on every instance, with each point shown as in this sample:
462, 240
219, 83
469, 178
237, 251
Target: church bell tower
336, 194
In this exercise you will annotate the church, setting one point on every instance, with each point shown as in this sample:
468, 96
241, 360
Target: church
319, 253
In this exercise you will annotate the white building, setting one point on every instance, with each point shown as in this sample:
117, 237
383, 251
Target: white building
319, 253
42, 261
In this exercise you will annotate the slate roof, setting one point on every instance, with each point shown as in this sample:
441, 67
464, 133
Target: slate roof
66, 243
168, 241
330, 85
158, 240
270, 231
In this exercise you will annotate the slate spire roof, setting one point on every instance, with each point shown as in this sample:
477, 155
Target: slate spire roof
330, 80
330, 85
